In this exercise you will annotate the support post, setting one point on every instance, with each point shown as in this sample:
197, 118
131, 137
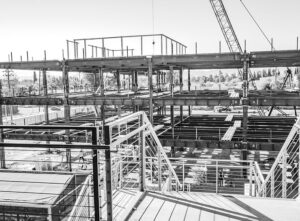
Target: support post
65, 73
102, 90
96, 176
108, 175
142, 156
189, 87
118, 81
272, 184
150, 85
141, 45
103, 49
46, 110
284, 174
172, 108
2, 149
181, 87
122, 47
245, 103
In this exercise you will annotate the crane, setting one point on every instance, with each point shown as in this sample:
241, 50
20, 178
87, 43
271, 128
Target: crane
233, 42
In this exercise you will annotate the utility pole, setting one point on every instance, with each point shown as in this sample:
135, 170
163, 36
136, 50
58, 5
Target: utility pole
8, 73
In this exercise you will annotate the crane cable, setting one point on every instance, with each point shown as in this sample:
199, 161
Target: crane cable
261, 30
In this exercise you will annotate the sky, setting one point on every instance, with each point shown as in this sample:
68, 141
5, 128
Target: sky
38, 25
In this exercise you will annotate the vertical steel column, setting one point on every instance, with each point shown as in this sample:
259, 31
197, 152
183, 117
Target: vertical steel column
96, 176
166, 46
141, 45
158, 80
172, 108
101, 79
108, 174
142, 155
46, 110
181, 87
189, 87
2, 149
118, 81
122, 47
65, 73
150, 85
103, 49
245, 103
161, 45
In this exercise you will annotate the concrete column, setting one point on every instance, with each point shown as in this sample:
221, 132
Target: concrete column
65, 73
150, 86
2, 149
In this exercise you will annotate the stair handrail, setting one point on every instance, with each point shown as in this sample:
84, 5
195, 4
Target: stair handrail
294, 130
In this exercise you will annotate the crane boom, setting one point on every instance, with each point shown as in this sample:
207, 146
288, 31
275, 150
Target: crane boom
233, 42
226, 26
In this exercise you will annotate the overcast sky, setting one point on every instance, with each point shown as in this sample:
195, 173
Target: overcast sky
36, 25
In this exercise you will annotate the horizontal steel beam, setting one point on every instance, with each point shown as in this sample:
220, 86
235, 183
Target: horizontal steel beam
289, 58
68, 146
161, 101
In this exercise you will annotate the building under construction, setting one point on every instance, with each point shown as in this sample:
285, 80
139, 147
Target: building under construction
129, 152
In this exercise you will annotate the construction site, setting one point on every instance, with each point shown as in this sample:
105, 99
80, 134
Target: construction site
142, 141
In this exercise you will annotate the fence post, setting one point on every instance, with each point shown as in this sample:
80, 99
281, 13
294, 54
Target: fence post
108, 175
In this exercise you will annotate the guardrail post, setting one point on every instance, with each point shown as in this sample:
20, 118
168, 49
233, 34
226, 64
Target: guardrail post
217, 177
284, 170
250, 178
298, 164
159, 169
108, 175
96, 181
272, 183
142, 155
183, 175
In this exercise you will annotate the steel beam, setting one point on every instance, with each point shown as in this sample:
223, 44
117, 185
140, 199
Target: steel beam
289, 58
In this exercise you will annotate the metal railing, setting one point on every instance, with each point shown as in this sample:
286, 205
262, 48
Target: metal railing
282, 180
124, 46
56, 180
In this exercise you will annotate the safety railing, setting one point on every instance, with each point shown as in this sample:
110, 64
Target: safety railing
55, 180
39, 118
123, 46
282, 180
